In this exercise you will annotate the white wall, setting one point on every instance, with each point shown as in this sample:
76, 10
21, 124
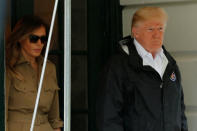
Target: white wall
180, 40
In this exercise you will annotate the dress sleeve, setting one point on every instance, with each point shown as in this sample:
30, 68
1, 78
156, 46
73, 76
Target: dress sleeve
54, 118
54, 114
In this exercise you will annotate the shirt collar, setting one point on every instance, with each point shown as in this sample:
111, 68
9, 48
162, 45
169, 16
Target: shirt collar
23, 60
143, 53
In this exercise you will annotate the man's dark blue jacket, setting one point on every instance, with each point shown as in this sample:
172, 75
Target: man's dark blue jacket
133, 97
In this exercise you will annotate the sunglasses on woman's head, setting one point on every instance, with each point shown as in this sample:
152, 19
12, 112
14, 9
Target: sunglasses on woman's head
35, 38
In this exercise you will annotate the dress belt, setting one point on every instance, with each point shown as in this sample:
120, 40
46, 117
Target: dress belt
14, 116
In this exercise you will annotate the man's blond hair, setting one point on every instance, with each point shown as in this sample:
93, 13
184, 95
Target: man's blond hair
147, 13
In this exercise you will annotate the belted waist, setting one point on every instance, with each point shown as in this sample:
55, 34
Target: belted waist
27, 118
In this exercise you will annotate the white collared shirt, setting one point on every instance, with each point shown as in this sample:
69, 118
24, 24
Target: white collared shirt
159, 63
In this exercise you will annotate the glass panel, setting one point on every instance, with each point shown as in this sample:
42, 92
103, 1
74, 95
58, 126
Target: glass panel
79, 122
79, 82
79, 29
56, 61
44, 9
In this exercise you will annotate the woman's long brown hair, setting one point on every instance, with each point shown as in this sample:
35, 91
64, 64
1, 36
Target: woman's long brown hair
22, 29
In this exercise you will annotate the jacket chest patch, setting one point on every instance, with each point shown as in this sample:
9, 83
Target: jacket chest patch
173, 77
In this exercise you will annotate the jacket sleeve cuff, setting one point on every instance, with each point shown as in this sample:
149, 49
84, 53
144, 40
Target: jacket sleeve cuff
56, 123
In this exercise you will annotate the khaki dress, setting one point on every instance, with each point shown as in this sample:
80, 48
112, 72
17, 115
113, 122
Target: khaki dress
21, 96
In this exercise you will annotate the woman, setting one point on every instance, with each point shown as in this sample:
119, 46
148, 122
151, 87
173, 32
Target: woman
23, 69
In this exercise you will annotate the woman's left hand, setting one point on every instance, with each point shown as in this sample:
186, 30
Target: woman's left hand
57, 129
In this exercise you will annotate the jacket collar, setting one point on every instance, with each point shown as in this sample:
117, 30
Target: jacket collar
22, 60
134, 58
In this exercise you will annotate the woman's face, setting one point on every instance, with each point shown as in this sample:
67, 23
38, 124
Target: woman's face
32, 46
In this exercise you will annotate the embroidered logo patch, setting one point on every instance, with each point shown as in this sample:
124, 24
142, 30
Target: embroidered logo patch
173, 77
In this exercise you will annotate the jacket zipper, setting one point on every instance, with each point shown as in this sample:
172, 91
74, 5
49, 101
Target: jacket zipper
162, 95
165, 75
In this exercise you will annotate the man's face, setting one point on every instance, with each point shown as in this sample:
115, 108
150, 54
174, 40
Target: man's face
150, 34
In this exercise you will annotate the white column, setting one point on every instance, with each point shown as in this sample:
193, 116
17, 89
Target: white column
67, 65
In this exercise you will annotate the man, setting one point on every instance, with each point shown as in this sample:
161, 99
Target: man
141, 88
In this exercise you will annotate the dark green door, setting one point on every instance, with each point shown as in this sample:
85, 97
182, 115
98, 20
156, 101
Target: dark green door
104, 31
96, 27
2, 69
